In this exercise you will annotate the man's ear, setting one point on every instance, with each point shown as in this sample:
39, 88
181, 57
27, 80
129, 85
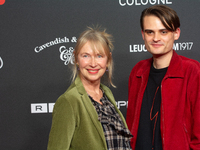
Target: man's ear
142, 34
177, 34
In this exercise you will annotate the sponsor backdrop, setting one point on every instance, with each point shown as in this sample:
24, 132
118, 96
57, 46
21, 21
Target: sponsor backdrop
37, 39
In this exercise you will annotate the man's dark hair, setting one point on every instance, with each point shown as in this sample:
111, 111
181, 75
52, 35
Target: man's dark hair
168, 16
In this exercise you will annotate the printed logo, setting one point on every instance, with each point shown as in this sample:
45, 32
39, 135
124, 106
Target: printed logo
176, 47
2, 2
1, 62
183, 46
66, 54
137, 48
42, 108
48, 107
122, 104
142, 2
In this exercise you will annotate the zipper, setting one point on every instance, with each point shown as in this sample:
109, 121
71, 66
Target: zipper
137, 111
185, 129
163, 139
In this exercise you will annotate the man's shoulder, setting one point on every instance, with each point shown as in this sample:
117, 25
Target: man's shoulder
189, 61
188, 64
141, 67
143, 64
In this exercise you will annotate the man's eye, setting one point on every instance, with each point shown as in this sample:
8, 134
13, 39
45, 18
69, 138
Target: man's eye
149, 32
164, 32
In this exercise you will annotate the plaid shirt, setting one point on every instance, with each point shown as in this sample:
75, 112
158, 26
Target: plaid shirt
116, 134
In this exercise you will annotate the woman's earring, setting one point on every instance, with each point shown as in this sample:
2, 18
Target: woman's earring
77, 67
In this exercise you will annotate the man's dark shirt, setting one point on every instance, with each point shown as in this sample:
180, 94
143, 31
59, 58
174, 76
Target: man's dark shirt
149, 135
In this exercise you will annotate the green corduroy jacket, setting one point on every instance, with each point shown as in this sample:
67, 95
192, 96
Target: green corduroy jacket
75, 124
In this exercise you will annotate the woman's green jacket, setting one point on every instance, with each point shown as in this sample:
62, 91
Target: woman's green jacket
75, 124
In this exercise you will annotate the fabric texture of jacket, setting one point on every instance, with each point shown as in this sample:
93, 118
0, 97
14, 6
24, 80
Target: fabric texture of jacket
180, 102
75, 124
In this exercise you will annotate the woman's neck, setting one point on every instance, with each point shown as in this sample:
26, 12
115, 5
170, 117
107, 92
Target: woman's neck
93, 89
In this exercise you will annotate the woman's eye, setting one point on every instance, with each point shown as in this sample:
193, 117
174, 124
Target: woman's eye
85, 55
99, 56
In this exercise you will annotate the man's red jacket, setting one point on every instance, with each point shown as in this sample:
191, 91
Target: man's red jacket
180, 104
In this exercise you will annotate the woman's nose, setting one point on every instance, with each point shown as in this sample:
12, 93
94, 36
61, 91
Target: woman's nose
93, 62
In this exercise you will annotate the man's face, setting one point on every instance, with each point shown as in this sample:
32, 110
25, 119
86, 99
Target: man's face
158, 40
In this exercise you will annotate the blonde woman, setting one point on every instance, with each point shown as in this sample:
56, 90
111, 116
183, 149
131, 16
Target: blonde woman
86, 117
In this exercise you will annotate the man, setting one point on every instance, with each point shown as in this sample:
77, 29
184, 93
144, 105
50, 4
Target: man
164, 91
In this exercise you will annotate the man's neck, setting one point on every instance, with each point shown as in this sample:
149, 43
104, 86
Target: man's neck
162, 61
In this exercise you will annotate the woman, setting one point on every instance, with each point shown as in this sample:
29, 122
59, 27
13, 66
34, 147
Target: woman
86, 117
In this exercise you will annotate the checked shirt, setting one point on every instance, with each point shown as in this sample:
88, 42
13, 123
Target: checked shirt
116, 134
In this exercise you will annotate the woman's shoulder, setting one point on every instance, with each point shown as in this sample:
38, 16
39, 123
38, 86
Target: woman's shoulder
105, 88
69, 96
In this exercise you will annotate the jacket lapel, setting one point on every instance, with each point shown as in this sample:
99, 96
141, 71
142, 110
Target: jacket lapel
90, 108
112, 100
177, 70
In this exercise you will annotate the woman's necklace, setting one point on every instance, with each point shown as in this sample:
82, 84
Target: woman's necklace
95, 95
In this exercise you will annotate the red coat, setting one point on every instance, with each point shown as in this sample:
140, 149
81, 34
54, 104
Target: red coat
180, 104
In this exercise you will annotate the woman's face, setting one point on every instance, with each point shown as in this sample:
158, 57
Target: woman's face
91, 63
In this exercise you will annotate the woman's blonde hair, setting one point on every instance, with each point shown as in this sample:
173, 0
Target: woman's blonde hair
99, 40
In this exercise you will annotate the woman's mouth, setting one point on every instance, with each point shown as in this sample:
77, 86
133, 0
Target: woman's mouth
93, 71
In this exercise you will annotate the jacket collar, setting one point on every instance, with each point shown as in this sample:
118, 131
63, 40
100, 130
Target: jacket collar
81, 89
175, 68
144, 68
79, 86
89, 107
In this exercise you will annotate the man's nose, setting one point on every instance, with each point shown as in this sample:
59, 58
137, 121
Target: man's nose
156, 37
